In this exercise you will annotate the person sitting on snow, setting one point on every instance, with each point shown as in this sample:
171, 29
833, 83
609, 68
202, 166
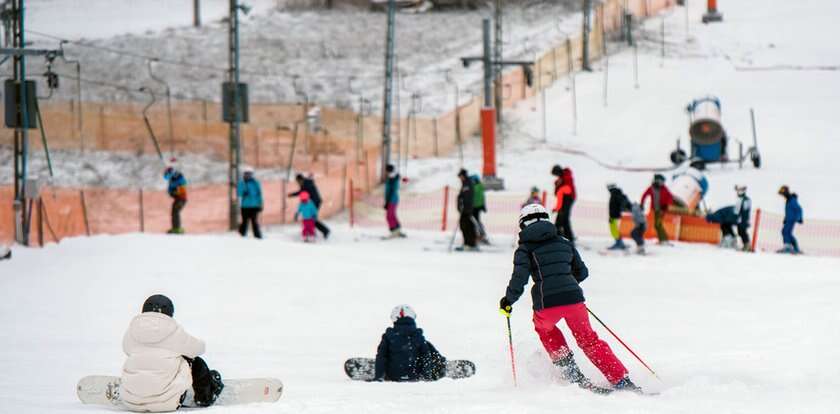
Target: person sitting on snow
163, 364
404, 354
793, 215
557, 270
618, 204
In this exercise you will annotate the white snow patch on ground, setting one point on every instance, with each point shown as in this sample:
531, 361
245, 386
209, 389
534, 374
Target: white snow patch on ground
753, 335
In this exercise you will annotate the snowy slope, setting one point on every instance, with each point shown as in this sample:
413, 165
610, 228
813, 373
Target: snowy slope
754, 335
795, 109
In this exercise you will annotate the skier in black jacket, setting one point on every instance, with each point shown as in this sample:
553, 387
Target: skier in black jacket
465, 208
557, 270
404, 354
618, 204
308, 185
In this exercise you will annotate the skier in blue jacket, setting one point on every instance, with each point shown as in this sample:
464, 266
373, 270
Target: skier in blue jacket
177, 189
793, 215
249, 192
404, 354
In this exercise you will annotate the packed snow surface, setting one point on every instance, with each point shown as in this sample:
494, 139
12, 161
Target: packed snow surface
753, 334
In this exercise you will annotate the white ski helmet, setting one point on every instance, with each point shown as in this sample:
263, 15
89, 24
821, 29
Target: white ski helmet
402, 311
531, 214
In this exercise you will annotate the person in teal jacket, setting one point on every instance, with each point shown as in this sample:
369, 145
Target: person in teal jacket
250, 202
309, 213
392, 200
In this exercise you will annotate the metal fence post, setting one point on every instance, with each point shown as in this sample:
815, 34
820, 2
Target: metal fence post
445, 208
755, 229
141, 213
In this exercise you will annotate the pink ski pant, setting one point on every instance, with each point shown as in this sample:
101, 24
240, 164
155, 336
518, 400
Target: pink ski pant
308, 228
391, 216
545, 323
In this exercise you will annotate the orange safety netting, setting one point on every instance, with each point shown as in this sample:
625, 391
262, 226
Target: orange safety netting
437, 211
60, 213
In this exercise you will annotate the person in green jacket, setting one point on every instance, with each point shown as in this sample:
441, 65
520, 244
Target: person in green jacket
479, 206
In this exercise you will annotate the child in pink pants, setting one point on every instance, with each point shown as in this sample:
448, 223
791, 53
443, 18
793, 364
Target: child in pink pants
309, 213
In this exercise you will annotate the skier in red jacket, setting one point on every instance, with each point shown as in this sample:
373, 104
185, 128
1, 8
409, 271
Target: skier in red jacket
660, 200
564, 190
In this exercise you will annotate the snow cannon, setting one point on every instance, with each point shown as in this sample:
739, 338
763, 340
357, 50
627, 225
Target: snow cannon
704, 121
708, 138
689, 187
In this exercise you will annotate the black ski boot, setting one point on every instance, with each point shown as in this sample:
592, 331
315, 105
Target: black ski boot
570, 372
626, 385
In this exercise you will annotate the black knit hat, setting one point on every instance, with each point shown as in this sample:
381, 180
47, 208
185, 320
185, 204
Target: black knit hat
160, 304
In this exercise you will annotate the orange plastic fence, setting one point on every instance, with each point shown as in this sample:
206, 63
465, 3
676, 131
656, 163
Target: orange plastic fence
422, 211
69, 212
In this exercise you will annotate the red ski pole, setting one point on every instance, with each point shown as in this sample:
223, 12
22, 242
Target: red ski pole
622, 342
510, 344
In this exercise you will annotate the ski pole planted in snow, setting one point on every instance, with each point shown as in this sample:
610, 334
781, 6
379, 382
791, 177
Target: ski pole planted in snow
622, 342
510, 345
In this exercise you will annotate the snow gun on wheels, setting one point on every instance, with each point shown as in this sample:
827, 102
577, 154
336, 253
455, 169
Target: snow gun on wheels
709, 140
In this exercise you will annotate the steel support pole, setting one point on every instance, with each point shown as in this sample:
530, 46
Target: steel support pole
389, 89
488, 66
234, 156
587, 29
497, 56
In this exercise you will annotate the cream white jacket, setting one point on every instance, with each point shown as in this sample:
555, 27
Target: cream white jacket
155, 374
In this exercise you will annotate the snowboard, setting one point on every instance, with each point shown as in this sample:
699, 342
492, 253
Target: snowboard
363, 369
105, 390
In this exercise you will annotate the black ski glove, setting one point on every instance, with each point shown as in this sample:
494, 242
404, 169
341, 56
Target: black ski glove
505, 307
